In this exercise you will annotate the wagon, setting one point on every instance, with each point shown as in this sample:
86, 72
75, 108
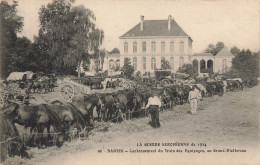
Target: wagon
92, 81
13, 92
127, 84
68, 89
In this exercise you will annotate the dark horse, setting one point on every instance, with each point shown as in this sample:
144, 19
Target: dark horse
34, 116
85, 106
121, 106
138, 110
109, 107
90, 102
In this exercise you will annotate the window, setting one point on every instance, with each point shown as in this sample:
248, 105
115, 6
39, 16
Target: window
125, 47
144, 46
172, 62
153, 47
190, 44
144, 63
172, 46
224, 65
163, 61
111, 65
181, 47
134, 47
126, 61
117, 64
181, 62
135, 63
153, 64
162, 46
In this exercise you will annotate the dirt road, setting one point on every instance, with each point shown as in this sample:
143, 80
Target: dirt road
227, 122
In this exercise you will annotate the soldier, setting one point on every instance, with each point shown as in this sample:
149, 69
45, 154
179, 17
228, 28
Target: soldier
193, 99
154, 104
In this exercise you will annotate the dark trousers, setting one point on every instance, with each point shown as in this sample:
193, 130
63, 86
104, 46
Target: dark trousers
154, 111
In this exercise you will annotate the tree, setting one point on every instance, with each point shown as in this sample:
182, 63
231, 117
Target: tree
246, 64
257, 55
20, 59
165, 64
10, 25
128, 69
214, 49
234, 50
70, 34
115, 50
189, 69
102, 54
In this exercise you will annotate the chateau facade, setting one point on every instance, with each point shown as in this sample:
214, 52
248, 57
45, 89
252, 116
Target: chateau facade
151, 42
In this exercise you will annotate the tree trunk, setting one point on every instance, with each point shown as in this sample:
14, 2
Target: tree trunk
79, 71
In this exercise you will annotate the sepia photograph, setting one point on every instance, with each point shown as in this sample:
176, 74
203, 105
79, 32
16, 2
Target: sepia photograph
129, 82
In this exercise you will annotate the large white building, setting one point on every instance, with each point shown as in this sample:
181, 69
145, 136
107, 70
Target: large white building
151, 41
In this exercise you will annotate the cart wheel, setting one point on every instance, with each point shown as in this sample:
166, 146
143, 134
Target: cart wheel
127, 86
121, 84
165, 82
2, 101
66, 92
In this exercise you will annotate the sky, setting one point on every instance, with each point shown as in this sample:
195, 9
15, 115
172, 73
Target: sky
234, 22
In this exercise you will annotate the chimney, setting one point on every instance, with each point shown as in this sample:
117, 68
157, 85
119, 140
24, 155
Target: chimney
142, 22
169, 22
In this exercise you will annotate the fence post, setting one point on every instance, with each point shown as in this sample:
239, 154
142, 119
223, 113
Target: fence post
54, 139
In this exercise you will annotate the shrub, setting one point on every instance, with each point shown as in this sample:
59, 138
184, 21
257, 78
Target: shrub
246, 65
128, 69
162, 73
189, 69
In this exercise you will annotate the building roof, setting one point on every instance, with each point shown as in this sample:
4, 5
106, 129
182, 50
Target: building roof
224, 53
203, 54
155, 28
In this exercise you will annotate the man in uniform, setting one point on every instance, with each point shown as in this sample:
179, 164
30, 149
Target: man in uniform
154, 104
193, 99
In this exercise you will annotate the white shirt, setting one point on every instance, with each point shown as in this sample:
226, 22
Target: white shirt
198, 94
153, 101
193, 95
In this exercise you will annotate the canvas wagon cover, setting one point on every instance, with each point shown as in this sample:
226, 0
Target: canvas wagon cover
29, 74
16, 76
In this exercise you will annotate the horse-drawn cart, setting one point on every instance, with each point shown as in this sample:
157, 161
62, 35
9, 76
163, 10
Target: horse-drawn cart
68, 89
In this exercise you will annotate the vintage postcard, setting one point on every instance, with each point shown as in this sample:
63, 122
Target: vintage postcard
130, 82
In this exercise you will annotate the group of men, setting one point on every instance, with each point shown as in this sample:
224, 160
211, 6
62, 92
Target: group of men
154, 104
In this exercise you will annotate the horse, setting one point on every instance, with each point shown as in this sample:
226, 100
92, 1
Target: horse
36, 86
51, 85
121, 106
180, 95
69, 115
167, 97
90, 102
34, 116
109, 107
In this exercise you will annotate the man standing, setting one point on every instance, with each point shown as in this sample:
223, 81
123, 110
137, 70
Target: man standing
104, 84
193, 99
154, 104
